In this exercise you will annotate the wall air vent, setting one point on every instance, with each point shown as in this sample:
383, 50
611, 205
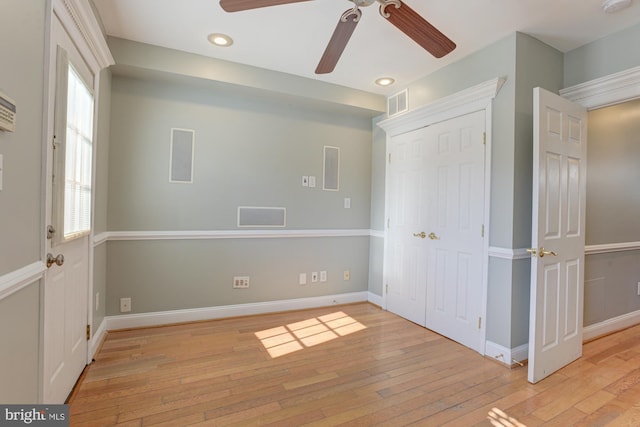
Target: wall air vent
398, 103
249, 216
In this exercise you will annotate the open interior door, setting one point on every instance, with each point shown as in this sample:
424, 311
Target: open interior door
558, 227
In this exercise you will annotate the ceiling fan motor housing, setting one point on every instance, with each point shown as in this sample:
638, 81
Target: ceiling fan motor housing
363, 3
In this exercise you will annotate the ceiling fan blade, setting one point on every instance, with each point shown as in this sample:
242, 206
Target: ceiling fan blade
417, 28
239, 5
339, 40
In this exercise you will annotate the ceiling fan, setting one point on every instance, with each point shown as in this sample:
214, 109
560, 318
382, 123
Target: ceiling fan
395, 11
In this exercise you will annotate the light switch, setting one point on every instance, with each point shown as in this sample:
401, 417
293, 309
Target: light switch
312, 181
305, 181
1, 169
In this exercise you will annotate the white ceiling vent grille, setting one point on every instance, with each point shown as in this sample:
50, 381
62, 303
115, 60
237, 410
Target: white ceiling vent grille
398, 103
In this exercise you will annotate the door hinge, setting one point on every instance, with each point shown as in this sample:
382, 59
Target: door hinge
386, 290
484, 138
389, 157
482, 231
479, 322
388, 222
88, 332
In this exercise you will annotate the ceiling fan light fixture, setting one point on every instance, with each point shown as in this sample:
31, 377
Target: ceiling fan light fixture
219, 39
385, 81
611, 6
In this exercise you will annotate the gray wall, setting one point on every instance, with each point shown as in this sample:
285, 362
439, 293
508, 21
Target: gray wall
249, 151
613, 209
611, 279
21, 77
611, 54
376, 248
101, 190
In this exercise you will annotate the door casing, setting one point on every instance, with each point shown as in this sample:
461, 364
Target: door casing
476, 98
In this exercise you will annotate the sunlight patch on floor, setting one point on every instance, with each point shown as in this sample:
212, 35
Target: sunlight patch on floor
499, 418
293, 337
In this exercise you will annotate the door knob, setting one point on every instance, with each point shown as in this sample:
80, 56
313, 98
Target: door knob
421, 235
541, 252
433, 236
57, 260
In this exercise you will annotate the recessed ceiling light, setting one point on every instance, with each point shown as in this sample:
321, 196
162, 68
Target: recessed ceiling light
385, 81
611, 6
220, 39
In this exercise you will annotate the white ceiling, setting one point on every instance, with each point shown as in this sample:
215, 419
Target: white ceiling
291, 38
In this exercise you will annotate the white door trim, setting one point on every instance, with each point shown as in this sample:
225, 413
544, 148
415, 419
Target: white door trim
476, 98
605, 91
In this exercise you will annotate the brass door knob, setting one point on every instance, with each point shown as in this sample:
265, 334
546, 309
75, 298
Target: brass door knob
57, 260
541, 252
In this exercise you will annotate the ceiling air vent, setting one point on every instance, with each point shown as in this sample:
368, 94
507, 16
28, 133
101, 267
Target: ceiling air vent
398, 103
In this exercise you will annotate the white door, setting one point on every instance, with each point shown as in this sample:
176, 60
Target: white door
456, 230
435, 241
407, 253
69, 161
558, 227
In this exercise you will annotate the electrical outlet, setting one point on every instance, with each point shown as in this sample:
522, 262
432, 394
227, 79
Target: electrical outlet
323, 276
346, 275
240, 282
314, 277
125, 305
312, 181
302, 279
347, 202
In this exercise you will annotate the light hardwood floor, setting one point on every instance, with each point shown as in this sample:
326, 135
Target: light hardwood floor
353, 365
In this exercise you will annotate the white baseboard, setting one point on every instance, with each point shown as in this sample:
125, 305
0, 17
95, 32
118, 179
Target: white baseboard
610, 325
507, 356
375, 299
98, 336
208, 313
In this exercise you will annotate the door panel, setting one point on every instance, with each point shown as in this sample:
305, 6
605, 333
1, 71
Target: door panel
454, 287
406, 277
440, 285
65, 290
557, 266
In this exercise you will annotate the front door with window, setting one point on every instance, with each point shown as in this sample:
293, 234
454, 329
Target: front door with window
69, 156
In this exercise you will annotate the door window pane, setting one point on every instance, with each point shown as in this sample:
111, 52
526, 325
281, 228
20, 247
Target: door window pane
78, 148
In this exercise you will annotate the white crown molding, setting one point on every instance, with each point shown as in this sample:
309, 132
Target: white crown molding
210, 313
466, 101
79, 15
611, 247
609, 90
12, 282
